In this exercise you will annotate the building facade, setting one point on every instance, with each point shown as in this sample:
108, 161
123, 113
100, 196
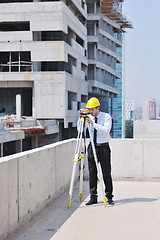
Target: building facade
102, 55
54, 55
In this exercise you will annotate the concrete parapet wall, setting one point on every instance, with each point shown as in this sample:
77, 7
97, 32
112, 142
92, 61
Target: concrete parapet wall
30, 180
135, 159
147, 129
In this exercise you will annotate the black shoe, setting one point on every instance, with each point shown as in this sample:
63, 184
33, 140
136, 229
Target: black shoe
110, 201
93, 200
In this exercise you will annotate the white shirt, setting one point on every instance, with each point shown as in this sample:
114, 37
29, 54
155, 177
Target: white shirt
103, 127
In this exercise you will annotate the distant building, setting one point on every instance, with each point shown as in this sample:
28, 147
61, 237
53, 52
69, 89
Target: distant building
129, 109
157, 110
138, 113
149, 109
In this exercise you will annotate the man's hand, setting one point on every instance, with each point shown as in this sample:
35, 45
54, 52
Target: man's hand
89, 120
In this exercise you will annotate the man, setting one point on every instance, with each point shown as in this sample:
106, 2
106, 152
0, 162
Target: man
100, 126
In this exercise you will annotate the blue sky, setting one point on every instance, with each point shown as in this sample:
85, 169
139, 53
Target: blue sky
142, 50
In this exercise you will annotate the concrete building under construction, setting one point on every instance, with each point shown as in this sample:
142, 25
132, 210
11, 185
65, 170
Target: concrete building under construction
53, 56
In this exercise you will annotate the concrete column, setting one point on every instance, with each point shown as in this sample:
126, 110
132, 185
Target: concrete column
21, 146
60, 133
33, 103
1, 149
95, 52
19, 59
94, 73
111, 105
10, 62
95, 29
18, 107
18, 146
95, 7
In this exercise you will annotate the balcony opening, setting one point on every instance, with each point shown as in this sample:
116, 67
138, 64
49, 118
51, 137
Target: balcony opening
14, 26
91, 51
84, 69
90, 29
90, 7
71, 62
71, 35
53, 66
8, 100
80, 40
84, 98
15, 62
72, 97
58, 36
49, 36
91, 72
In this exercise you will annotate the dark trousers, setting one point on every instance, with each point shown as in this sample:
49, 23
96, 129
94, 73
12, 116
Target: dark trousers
104, 157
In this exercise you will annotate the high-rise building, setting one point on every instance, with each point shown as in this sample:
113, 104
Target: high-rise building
118, 102
118, 109
54, 55
129, 109
149, 109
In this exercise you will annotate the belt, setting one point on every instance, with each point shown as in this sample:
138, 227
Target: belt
102, 144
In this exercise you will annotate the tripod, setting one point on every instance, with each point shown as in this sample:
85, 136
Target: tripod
80, 156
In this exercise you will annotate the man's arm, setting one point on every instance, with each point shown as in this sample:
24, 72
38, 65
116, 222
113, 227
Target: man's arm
107, 124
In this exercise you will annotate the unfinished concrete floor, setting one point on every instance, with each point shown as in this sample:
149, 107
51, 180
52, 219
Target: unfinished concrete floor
135, 216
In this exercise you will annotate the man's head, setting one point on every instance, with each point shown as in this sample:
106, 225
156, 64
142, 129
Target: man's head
93, 106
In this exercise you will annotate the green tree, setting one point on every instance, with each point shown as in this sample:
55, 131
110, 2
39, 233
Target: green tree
129, 128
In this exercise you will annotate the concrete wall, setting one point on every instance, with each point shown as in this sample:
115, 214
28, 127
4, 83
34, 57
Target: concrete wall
147, 129
136, 159
29, 180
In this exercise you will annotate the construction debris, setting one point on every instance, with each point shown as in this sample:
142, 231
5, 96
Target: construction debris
11, 124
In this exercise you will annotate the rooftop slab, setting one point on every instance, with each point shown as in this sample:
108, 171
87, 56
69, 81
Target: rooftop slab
135, 215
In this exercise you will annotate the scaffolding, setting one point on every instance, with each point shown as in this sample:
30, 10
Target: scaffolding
111, 8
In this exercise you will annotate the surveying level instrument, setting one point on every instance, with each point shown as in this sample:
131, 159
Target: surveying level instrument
80, 155
84, 112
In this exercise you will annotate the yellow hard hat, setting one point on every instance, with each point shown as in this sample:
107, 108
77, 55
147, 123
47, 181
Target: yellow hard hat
92, 103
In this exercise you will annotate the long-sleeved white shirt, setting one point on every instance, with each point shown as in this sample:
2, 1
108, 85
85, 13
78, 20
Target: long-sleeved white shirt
103, 127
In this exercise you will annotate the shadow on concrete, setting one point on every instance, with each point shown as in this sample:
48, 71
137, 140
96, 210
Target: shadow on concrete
122, 201
131, 200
